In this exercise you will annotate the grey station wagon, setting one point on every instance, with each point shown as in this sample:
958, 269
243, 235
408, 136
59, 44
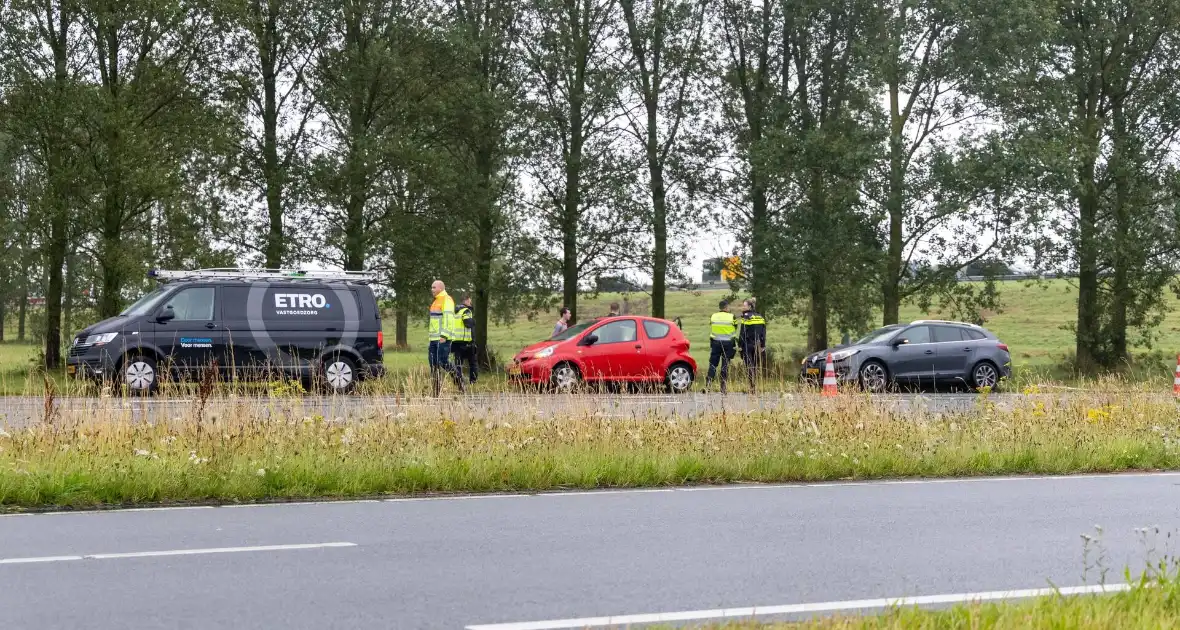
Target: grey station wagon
923, 353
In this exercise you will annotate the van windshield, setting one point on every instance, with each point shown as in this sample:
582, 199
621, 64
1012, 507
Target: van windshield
144, 304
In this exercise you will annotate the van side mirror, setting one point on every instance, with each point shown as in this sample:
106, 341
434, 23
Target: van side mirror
588, 340
168, 314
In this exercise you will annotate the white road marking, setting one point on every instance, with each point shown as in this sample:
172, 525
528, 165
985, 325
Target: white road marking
744, 485
175, 552
292, 503
795, 609
38, 560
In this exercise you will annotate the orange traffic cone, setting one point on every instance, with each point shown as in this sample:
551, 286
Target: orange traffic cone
830, 377
1176, 379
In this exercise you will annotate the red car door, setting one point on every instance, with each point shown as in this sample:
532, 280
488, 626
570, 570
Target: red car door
616, 353
657, 346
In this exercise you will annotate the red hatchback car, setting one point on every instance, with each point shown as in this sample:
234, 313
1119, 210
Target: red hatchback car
623, 349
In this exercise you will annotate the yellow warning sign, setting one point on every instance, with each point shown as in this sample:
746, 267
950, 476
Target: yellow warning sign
731, 268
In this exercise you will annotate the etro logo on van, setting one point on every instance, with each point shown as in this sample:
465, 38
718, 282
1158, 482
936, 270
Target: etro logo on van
300, 303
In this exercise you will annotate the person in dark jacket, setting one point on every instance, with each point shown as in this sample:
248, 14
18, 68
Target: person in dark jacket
752, 340
463, 345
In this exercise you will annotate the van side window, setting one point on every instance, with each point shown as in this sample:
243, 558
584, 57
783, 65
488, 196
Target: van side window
192, 305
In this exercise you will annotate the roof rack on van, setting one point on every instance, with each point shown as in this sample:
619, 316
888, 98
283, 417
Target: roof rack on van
229, 273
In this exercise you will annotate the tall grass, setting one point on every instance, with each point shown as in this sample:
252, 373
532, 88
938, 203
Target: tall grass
1153, 601
254, 449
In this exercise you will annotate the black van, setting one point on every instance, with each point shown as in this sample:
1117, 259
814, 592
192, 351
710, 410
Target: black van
250, 324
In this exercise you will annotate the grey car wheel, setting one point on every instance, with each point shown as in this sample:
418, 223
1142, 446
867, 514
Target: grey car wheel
139, 374
339, 375
873, 377
565, 378
985, 375
679, 378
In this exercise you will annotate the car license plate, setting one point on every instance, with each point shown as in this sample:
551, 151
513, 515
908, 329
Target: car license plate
71, 369
514, 369
812, 371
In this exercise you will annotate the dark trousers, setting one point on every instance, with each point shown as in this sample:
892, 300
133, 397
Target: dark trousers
440, 362
752, 357
720, 352
464, 351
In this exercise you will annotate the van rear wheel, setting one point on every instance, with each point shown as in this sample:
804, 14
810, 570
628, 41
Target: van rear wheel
339, 374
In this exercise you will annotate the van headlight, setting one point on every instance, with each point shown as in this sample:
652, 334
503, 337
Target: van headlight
101, 340
547, 352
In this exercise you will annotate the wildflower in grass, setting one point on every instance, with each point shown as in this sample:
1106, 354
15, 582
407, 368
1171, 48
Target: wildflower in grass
139, 452
4, 434
261, 472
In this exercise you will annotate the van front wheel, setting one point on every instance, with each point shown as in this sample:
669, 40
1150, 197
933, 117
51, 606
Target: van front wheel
141, 375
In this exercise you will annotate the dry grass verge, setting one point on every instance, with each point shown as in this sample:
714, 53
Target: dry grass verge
257, 450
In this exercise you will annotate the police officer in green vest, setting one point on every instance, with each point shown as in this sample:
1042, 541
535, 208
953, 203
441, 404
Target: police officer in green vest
462, 344
752, 340
722, 343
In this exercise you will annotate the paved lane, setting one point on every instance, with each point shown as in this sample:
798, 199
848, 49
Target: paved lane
17, 411
454, 563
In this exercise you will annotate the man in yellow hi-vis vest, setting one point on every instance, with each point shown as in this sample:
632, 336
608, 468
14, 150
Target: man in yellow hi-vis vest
463, 345
441, 332
722, 343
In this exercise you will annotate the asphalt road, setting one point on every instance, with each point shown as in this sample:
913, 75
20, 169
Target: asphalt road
22, 410
469, 562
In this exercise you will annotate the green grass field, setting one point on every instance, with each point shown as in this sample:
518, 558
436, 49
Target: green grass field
1033, 321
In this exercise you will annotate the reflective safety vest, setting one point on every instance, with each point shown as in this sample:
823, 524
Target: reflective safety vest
442, 317
753, 329
722, 327
465, 324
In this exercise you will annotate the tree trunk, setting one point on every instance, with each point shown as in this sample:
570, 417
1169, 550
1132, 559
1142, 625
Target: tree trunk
354, 237
1088, 328
270, 145
569, 268
55, 260
401, 328
356, 162
659, 262
59, 229
817, 322
1089, 333
110, 298
22, 310
484, 249
68, 298
894, 204
760, 281
4, 307
1121, 294
571, 214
